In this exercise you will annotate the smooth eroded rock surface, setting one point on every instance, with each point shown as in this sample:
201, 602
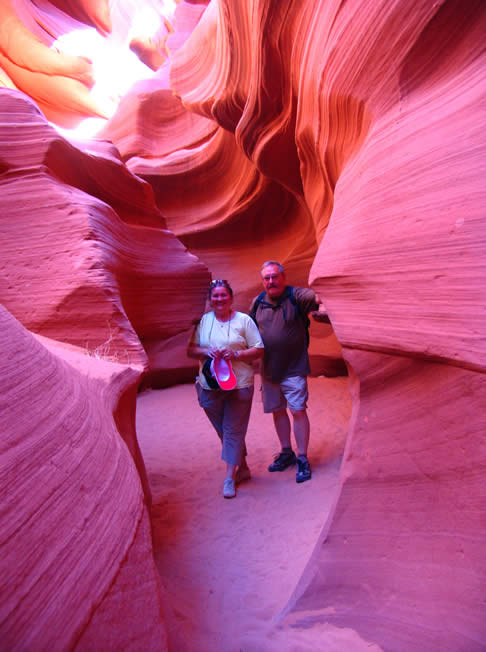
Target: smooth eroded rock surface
373, 114
344, 139
75, 534
402, 555
86, 256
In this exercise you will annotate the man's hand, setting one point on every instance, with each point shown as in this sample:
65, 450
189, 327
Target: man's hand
320, 316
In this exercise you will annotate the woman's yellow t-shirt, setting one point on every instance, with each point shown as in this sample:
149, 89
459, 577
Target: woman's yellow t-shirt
238, 333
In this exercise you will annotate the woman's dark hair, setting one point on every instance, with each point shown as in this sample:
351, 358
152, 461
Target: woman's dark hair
217, 283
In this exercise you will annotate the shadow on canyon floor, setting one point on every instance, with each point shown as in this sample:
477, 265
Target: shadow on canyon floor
228, 567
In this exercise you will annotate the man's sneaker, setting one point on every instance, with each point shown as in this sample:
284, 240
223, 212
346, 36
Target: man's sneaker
229, 490
282, 461
303, 470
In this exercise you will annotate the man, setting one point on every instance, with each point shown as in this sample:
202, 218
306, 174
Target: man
280, 313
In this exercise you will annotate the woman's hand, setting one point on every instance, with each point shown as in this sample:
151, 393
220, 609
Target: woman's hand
227, 354
214, 352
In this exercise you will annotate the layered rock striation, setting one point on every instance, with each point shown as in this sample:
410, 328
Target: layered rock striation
76, 566
344, 139
86, 256
370, 117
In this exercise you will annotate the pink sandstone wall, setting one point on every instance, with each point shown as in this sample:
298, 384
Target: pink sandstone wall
87, 260
371, 119
86, 257
214, 197
76, 564
401, 267
345, 139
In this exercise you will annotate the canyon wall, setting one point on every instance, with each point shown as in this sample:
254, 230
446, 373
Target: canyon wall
86, 255
401, 267
89, 273
76, 567
344, 139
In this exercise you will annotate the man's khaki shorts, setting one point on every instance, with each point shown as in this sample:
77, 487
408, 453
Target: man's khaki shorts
290, 392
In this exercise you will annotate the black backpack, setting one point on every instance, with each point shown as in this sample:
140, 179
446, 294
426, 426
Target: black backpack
288, 294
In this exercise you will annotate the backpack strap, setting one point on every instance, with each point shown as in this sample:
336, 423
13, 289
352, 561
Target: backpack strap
254, 308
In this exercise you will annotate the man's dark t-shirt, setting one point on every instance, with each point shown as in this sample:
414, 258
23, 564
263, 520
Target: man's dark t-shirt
284, 334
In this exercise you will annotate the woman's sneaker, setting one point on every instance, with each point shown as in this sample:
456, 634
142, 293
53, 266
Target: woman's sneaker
283, 460
303, 470
229, 490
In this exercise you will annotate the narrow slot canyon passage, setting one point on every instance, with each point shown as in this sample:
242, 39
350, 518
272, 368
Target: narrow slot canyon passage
228, 567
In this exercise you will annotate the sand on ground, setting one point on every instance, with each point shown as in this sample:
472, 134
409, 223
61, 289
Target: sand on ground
228, 567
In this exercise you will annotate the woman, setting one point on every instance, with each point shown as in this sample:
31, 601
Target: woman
233, 336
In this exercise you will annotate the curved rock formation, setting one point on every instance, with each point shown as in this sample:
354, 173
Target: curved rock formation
400, 268
91, 12
345, 139
373, 121
231, 204
59, 83
36, 57
75, 531
254, 208
401, 559
86, 255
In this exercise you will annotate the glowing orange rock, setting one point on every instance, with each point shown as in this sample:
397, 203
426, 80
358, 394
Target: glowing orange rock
59, 83
93, 12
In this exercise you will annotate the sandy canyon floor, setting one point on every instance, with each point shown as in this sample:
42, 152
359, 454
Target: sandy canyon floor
228, 567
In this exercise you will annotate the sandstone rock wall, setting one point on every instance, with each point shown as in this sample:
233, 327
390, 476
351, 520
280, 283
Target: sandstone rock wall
86, 256
87, 260
402, 261
370, 116
216, 195
75, 531
345, 139
401, 558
